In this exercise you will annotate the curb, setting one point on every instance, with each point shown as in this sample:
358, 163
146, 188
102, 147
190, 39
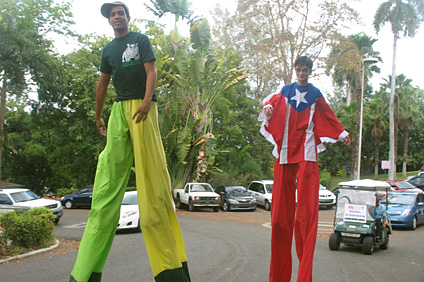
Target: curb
55, 245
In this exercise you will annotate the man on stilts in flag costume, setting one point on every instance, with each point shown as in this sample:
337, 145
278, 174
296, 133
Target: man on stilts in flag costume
132, 137
297, 120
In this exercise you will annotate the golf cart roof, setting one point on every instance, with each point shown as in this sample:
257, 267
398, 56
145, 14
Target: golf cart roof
365, 183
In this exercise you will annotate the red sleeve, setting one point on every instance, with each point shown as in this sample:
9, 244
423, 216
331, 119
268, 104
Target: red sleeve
326, 123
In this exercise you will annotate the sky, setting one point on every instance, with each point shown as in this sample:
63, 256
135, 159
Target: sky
409, 61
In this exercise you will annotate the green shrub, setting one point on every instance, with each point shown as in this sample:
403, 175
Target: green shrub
325, 178
60, 192
29, 229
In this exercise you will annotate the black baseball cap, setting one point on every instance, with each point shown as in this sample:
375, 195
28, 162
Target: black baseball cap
106, 8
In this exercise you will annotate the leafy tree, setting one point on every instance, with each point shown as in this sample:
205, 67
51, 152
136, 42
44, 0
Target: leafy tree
24, 47
404, 17
271, 34
407, 112
345, 65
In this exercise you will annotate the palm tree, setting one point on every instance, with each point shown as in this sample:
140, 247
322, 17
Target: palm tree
180, 9
406, 112
376, 112
196, 78
346, 62
404, 17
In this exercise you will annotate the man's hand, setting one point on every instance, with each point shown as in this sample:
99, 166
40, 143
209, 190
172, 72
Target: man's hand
101, 127
142, 111
268, 111
347, 140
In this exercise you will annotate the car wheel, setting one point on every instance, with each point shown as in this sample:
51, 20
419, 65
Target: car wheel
329, 207
334, 242
368, 245
385, 244
178, 203
56, 221
138, 228
216, 209
225, 206
191, 207
69, 204
267, 206
414, 223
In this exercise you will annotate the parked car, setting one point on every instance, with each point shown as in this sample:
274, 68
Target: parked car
129, 217
417, 180
326, 198
80, 198
197, 195
261, 190
23, 197
235, 198
403, 186
405, 209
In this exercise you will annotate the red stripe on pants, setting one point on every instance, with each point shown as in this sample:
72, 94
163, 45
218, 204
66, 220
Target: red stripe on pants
285, 216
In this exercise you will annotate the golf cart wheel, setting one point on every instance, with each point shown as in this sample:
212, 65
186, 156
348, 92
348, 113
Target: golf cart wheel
414, 223
368, 245
334, 242
225, 206
267, 206
69, 204
191, 207
385, 244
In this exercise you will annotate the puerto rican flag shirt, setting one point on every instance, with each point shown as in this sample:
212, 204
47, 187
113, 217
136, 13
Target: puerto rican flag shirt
300, 123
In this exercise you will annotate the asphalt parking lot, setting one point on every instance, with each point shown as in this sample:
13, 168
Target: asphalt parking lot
229, 246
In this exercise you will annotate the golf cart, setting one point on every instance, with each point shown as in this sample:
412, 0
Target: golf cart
354, 222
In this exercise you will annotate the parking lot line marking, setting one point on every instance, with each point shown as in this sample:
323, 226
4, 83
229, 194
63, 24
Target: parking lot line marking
78, 225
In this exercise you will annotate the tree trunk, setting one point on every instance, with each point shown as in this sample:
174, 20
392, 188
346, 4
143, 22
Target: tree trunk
2, 112
392, 169
377, 157
405, 151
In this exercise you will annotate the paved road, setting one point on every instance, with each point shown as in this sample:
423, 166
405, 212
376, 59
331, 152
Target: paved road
230, 246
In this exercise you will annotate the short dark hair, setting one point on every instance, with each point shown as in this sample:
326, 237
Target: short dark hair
304, 60
105, 10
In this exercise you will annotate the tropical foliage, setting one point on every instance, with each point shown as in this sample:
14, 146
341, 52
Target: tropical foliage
209, 96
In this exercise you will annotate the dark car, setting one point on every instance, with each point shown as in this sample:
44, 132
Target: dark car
80, 198
417, 181
235, 198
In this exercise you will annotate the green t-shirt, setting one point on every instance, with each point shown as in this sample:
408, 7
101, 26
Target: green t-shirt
124, 58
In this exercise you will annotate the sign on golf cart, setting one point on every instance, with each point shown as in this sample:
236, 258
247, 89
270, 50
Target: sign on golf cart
355, 213
355, 222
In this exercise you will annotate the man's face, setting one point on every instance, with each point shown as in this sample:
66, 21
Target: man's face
118, 18
302, 73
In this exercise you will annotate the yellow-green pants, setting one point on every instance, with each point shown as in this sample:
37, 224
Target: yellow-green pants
141, 143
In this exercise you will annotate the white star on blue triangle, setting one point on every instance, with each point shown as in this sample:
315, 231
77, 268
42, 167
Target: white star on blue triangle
299, 97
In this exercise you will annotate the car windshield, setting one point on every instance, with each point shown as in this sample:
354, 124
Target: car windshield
268, 188
201, 188
400, 199
405, 185
24, 196
130, 199
321, 187
236, 190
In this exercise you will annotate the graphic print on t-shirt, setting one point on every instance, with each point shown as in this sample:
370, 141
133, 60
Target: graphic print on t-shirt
131, 55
